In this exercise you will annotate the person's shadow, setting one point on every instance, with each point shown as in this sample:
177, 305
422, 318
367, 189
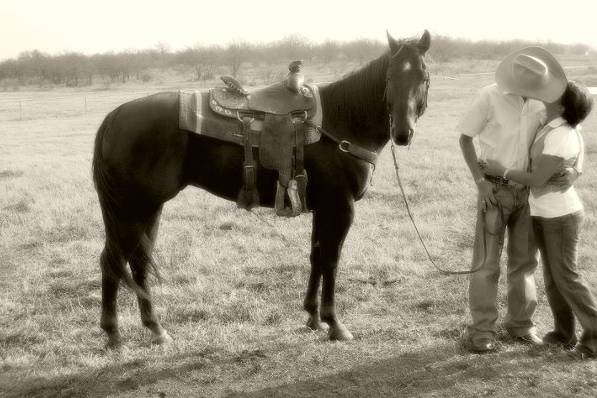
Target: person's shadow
435, 369
438, 370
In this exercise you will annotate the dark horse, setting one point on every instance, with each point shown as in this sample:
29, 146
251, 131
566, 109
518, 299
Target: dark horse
142, 159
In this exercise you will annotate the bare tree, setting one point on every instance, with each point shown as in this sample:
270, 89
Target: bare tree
163, 50
294, 47
201, 59
236, 54
328, 50
362, 50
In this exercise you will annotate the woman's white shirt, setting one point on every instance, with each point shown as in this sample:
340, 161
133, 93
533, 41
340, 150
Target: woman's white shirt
558, 139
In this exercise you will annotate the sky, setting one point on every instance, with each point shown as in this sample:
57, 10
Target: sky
93, 26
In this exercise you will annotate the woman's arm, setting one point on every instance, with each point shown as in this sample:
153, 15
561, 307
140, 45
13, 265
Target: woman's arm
547, 166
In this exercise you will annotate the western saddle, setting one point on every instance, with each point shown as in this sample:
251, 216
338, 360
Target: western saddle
276, 120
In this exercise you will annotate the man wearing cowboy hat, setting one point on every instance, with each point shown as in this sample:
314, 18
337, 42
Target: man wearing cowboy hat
505, 125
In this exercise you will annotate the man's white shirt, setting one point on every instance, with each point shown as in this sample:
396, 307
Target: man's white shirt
505, 126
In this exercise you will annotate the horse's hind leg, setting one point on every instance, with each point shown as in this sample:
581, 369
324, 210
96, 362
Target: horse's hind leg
110, 283
121, 239
140, 262
130, 241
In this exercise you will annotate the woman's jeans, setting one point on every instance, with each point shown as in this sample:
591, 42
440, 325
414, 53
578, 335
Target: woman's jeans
567, 292
511, 215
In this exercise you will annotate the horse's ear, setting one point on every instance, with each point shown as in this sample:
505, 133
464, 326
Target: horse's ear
394, 45
424, 42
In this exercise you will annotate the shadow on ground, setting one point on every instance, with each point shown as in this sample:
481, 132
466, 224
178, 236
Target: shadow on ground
437, 371
113, 379
433, 370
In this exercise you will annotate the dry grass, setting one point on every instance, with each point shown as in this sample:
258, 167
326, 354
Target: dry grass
233, 289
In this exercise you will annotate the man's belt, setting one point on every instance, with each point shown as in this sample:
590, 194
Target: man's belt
502, 181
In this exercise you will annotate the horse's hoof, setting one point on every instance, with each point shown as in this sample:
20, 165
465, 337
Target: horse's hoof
113, 344
339, 332
314, 323
162, 339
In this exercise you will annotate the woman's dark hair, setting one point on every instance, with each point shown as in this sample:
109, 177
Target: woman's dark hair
577, 102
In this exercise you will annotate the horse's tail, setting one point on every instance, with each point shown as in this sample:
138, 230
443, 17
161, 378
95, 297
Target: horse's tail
110, 198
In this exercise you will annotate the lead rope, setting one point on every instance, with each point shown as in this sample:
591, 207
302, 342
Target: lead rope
412, 219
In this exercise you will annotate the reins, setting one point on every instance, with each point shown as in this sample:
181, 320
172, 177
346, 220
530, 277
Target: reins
412, 219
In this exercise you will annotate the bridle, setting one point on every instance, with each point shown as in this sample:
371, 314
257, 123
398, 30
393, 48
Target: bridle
421, 105
363, 153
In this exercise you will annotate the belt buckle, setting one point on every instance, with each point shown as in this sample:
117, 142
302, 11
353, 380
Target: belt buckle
498, 180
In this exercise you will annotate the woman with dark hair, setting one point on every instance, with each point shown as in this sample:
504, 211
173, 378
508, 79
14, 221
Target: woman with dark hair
557, 215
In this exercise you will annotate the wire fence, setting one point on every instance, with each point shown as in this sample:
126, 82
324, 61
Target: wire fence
42, 106
32, 105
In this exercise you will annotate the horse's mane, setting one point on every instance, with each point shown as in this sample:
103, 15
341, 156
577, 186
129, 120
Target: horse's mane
361, 92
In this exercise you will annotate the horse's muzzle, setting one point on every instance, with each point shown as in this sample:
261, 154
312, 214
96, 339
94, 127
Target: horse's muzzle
403, 138
401, 133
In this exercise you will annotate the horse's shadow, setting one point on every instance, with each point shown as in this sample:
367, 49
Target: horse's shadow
113, 379
431, 370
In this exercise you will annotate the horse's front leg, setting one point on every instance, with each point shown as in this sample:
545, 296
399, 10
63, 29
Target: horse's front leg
333, 224
311, 304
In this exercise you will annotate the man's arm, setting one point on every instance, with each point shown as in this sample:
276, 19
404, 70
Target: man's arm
568, 176
485, 187
547, 165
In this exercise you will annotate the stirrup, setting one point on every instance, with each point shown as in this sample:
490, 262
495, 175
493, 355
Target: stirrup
295, 202
301, 181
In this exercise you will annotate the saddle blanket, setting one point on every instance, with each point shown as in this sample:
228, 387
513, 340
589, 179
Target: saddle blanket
195, 115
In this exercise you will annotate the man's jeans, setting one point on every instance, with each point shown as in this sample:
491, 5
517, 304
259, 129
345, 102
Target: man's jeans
567, 292
511, 214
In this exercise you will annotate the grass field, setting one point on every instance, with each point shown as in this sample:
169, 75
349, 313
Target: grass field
233, 287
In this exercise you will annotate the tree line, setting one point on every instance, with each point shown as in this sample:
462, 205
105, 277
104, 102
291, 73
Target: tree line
202, 61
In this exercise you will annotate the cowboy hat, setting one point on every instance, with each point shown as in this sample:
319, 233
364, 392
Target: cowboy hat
532, 72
